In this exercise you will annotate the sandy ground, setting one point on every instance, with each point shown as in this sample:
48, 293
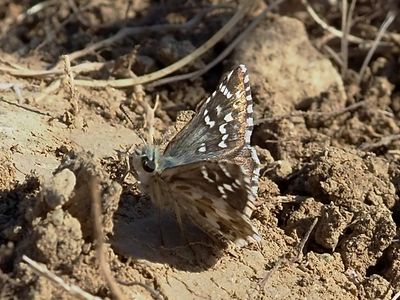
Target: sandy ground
329, 150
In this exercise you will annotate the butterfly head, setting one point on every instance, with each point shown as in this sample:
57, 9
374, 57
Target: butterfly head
146, 159
145, 163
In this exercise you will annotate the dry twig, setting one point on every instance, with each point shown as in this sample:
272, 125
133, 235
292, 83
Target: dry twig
327, 115
347, 16
70, 84
223, 54
129, 31
17, 70
244, 6
396, 296
73, 290
385, 25
29, 12
344, 41
26, 107
20, 71
333, 54
269, 274
119, 83
330, 29
384, 141
153, 292
304, 241
98, 233
297, 258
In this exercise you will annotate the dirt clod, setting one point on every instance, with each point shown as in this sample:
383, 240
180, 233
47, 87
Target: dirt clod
327, 139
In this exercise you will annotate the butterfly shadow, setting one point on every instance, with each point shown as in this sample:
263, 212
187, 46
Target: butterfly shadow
140, 232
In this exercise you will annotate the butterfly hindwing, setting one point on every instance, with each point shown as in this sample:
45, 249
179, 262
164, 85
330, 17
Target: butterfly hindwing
217, 195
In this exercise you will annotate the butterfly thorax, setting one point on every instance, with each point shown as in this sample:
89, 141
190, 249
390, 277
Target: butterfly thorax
148, 163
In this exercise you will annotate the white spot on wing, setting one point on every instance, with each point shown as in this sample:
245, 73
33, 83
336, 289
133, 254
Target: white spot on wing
250, 122
228, 117
219, 109
224, 137
254, 156
222, 128
229, 75
202, 149
221, 190
248, 98
247, 136
225, 170
243, 68
209, 122
249, 108
223, 89
254, 190
222, 144
246, 79
228, 187
205, 175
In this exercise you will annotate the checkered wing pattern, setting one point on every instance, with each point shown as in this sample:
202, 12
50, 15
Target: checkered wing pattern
223, 125
217, 196
210, 164
209, 169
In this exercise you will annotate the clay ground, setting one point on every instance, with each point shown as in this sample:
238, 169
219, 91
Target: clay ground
327, 135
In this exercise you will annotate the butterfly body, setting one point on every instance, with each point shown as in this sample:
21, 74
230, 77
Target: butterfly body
209, 171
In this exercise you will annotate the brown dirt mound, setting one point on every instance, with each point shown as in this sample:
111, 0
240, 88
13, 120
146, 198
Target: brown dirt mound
329, 150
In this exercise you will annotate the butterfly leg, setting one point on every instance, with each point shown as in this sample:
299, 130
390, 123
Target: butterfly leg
129, 168
184, 234
159, 218
180, 223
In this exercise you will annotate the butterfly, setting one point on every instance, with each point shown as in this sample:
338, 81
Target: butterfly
209, 171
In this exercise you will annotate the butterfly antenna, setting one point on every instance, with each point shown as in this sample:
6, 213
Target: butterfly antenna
122, 108
150, 119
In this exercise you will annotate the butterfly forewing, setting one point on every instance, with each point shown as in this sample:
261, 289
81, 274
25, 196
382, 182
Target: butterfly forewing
222, 126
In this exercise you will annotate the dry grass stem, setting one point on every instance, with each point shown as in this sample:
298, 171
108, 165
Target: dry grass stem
396, 296
344, 38
304, 241
240, 13
391, 16
384, 141
351, 38
69, 78
327, 115
104, 266
223, 54
73, 290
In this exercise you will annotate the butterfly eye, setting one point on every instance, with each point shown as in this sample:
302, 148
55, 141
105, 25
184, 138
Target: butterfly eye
148, 165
